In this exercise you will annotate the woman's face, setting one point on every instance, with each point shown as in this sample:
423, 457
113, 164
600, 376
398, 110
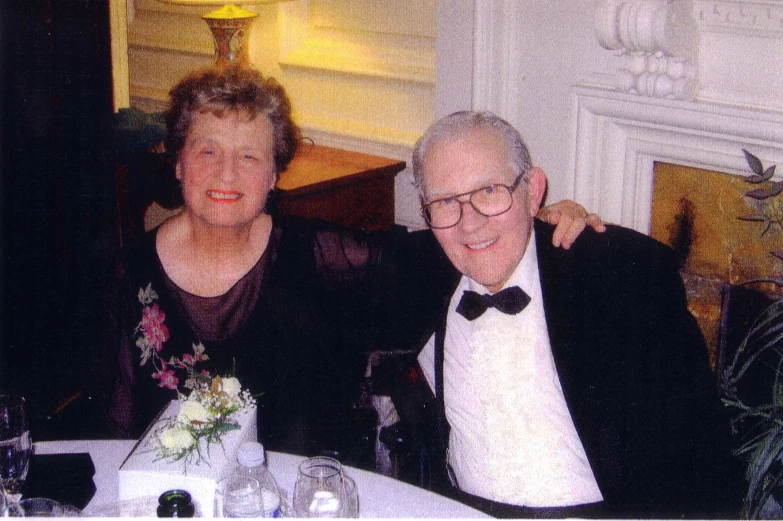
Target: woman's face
227, 168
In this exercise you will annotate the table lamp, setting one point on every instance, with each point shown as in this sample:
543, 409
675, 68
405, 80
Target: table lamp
230, 26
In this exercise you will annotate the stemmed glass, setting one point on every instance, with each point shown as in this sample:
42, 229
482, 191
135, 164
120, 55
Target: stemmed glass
319, 489
3, 504
15, 444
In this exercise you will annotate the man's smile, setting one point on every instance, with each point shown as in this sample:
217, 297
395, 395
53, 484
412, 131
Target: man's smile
224, 196
481, 245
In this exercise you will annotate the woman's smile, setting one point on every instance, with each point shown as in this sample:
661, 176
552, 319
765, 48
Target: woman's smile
224, 196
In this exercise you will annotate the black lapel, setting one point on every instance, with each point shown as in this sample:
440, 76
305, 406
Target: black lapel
558, 276
577, 339
442, 425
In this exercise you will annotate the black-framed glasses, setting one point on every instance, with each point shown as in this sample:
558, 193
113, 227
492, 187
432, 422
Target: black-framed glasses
489, 201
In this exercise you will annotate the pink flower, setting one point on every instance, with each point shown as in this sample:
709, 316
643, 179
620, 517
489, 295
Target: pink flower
167, 378
188, 359
176, 362
155, 331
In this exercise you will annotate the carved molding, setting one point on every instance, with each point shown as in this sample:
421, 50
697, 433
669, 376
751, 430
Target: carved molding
762, 18
620, 137
657, 45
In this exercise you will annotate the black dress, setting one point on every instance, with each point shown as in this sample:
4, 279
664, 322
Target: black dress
292, 330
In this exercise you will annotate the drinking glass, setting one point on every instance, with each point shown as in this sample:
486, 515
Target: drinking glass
15, 444
37, 507
351, 509
319, 489
3, 504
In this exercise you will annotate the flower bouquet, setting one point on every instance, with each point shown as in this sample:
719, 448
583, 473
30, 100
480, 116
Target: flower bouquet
210, 411
751, 385
192, 443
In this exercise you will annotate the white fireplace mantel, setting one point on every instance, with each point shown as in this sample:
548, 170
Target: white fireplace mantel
620, 136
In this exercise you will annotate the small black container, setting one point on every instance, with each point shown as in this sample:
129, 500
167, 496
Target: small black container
176, 503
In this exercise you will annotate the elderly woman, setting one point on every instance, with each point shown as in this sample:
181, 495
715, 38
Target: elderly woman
283, 304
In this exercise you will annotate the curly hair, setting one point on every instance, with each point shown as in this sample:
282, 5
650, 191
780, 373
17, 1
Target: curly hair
231, 88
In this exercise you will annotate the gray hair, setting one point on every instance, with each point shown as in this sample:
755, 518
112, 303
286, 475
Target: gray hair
460, 123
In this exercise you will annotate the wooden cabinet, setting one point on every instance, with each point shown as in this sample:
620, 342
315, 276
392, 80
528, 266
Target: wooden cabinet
347, 188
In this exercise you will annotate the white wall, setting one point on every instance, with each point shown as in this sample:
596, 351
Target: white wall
548, 48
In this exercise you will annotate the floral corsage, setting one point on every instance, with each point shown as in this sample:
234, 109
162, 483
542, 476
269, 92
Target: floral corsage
210, 410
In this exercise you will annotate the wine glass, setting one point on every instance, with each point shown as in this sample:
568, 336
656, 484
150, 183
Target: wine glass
3, 504
15, 444
319, 489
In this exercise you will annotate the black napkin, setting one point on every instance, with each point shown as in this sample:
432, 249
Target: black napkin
66, 478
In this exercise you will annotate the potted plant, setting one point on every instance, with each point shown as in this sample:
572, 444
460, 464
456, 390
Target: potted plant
752, 382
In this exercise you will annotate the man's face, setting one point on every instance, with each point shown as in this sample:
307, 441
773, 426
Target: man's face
486, 249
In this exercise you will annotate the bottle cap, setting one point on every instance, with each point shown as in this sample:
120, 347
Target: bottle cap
251, 454
175, 503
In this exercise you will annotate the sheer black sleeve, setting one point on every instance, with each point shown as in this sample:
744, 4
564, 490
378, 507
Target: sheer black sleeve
389, 286
347, 258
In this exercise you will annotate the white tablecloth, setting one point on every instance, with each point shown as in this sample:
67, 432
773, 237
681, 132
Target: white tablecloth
379, 496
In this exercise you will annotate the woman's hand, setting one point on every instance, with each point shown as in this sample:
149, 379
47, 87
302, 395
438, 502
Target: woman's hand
570, 219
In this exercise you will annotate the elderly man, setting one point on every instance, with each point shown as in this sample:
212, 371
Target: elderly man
557, 383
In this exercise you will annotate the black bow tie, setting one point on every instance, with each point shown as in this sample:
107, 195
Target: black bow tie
510, 301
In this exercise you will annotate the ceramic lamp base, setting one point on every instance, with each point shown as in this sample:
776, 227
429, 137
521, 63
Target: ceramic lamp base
230, 26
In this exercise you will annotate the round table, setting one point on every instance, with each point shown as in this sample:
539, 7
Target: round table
379, 496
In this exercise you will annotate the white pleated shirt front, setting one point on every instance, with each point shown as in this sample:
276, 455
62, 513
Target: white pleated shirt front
512, 437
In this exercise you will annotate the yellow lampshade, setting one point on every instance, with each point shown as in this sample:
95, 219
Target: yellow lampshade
229, 12
214, 3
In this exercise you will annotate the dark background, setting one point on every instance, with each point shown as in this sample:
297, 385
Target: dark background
57, 191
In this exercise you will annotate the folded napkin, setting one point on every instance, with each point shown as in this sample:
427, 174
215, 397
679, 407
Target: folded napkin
66, 478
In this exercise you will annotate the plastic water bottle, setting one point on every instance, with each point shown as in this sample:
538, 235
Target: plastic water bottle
252, 462
241, 496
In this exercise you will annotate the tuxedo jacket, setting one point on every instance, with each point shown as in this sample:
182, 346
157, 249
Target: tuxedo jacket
631, 361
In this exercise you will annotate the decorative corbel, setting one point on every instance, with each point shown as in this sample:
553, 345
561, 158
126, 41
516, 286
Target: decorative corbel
657, 44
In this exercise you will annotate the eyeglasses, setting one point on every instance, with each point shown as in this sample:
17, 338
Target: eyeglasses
489, 201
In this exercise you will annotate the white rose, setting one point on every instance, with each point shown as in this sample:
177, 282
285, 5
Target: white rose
175, 439
231, 387
193, 411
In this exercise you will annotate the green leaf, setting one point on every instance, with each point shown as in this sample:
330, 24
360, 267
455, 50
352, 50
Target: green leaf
759, 194
225, 427
775, 188
750, 347
754, 163
766, 176
760, 462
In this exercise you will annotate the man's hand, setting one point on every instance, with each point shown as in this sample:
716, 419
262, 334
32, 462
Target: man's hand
570, 219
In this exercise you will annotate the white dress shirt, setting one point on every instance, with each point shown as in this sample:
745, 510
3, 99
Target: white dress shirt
512, 437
